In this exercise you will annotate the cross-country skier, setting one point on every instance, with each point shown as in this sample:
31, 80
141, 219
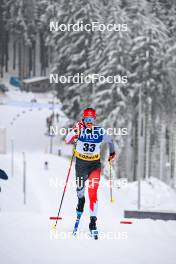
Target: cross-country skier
88, 166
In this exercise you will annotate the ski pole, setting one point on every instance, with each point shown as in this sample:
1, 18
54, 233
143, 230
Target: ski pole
68, 174
110, 181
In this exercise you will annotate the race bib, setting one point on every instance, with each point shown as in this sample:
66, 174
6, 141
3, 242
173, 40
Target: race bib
88, 145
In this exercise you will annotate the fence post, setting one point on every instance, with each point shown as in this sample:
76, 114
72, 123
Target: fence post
24, 177
12, 157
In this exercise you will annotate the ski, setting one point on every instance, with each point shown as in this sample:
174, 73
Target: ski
77, 223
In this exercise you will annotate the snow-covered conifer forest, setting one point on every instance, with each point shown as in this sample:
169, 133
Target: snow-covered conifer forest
145, 53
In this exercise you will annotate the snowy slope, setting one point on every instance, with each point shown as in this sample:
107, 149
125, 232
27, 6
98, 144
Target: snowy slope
25, 122
26, 235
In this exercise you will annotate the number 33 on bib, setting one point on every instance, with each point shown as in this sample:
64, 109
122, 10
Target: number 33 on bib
89, 142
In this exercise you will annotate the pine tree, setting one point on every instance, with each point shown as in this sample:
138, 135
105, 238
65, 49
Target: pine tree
72, 49
20, 23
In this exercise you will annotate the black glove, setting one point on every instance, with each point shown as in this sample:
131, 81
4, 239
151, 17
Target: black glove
112, 156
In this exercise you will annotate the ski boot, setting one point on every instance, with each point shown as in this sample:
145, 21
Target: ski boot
93, 227
79, 211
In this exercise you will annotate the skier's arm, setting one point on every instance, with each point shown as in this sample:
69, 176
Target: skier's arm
70, 136
109, 140
74, 133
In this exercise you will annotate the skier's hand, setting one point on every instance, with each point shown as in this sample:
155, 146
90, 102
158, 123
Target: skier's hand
78, 126
112, 156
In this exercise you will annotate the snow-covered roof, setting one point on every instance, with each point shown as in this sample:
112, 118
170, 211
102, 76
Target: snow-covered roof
35, 79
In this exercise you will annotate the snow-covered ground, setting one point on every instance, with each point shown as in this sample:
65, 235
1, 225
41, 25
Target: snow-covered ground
26, 234
26, 121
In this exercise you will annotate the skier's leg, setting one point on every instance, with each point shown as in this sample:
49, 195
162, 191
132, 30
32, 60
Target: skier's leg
80, 183
80, 205
94, 178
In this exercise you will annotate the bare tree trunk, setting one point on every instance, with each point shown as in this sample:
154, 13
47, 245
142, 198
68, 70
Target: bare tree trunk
174, 149
139, 160
1, 42
128, 152
6, 50
172, 142
14, 54
41, 54
34, 58
23, 60
30, 62
148, 145
27, 61
135, 149
2, 53
19, 60
2, 59
162, 149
